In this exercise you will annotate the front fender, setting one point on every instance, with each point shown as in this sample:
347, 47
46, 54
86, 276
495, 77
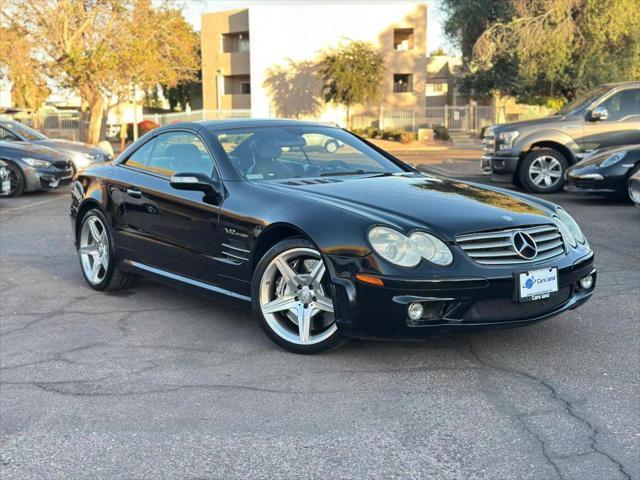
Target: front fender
526, 142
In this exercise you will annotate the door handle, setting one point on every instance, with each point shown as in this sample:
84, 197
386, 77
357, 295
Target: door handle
134, 192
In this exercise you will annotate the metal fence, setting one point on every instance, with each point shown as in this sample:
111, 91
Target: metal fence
57, 124
466, 118
195, 115
70, 124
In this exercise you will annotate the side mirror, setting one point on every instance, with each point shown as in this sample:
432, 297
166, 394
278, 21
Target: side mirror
599, 113
193, 181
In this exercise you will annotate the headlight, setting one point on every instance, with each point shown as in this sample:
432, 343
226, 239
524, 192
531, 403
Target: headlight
83, 159
612, 159
569, 229
506, 139
35, 163
408, 251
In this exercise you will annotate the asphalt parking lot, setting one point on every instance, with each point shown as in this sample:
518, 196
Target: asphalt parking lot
155, 383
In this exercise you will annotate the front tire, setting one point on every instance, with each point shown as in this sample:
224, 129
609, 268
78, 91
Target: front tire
291, 295
627, 194
16, 180
96, 250
543, 170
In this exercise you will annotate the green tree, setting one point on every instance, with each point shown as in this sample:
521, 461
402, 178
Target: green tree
546, 50
352, 74
101, 47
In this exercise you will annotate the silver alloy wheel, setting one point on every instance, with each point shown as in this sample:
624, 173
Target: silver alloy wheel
293, 299
331, 146
545, 171
94, 250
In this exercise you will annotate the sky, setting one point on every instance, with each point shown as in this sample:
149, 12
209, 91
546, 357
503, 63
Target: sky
194, 8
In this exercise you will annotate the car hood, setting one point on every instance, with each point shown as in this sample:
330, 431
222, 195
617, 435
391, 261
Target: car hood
27, 149
73, 147
545, 121
446, 207
599, 156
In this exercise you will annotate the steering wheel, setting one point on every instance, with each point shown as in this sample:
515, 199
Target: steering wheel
334, 166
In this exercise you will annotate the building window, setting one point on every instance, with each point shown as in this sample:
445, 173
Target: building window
402, 39
235, 42
237, 84
402, 82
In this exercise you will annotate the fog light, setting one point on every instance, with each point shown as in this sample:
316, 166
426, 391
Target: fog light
415, 311
586, 282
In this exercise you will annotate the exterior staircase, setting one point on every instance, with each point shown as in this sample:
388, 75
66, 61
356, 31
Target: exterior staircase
465, 140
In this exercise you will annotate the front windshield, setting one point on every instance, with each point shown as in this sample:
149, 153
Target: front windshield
288, 152
23, 131
582, 101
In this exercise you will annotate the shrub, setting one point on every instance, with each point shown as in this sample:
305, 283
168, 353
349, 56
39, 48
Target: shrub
393, 135
441, 133
372, 132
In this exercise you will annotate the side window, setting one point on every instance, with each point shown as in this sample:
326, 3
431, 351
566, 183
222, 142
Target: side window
180, 152
140, 157
622, 105
7, 135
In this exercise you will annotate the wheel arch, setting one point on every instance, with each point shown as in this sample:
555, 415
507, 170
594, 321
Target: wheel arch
565, 148
84, 207
273, 234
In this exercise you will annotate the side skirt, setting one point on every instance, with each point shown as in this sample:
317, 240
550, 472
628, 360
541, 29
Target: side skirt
185, 280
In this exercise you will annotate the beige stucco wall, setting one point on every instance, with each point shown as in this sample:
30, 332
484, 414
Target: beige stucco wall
287, 38
214, 25
285, 33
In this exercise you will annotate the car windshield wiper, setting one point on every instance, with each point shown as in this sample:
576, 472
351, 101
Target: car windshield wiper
355, 172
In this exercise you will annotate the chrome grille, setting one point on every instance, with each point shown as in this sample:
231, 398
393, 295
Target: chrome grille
497, 247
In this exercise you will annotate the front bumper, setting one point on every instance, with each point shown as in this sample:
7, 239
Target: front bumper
451, 304
589, 180
500, 167
47, 178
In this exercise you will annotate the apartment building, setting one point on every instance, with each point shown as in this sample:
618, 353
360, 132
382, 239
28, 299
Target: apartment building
263, 57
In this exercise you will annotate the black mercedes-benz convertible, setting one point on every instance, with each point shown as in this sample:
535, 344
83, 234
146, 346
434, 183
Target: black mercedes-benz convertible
324, 244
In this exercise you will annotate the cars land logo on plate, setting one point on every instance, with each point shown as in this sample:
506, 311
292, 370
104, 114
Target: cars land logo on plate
529, 283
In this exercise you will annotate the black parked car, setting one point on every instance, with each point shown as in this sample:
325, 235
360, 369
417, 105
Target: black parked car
606, 172
34, 167
324, 244
537, 153
81, 154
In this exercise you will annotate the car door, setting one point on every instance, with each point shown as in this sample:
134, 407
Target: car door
172, 230
622, 125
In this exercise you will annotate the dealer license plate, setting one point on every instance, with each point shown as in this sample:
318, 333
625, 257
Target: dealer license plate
537, 284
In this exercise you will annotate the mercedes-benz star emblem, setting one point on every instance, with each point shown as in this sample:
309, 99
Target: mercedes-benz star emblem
524, 245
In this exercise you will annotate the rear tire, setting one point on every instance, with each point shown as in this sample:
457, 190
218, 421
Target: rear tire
97, 253
291, 297
331, 146
542, 171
